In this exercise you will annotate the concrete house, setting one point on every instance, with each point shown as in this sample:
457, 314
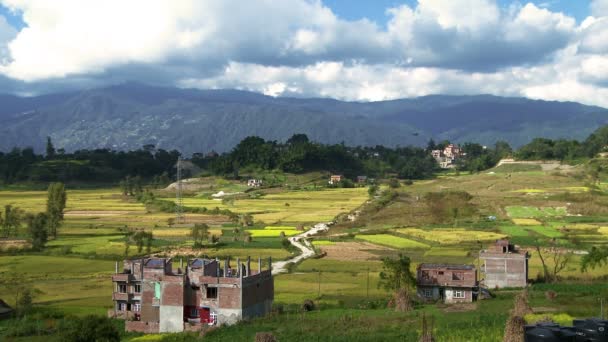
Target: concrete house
361, 179
446, 282
335, 179
154, 298
504, 265
254, 183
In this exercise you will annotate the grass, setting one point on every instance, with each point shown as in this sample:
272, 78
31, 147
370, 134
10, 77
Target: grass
392, 241
323, 243
514, 231
291, 206
450, 236
271, 233
445, 251
519, 211
546, 231
526, 222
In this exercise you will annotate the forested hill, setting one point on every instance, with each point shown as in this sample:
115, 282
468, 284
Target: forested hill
128, 116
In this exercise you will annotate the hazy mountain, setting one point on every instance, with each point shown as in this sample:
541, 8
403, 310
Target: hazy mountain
130, 115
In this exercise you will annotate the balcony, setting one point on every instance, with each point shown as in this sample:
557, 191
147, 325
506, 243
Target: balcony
124, 296
123, 277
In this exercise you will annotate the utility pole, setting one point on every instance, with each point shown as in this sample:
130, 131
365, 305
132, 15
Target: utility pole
367, 290
319, 293
179, 213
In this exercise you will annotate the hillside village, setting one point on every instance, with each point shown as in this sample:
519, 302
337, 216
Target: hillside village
240, 253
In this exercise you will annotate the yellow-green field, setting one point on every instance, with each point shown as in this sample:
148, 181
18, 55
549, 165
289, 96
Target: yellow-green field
292, 206
450, 236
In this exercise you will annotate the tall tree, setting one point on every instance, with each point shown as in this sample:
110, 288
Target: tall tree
396, 274
37, 227
11, 221
55, 205
50, 149
199, 233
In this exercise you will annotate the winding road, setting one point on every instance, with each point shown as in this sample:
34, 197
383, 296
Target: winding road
300, 242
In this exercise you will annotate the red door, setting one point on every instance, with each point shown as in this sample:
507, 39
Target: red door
205, 314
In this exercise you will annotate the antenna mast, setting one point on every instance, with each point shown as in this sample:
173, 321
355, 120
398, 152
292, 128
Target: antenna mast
179, 213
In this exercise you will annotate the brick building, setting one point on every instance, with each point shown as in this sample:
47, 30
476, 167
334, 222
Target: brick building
449, 283
504, 265
153, 298
335, 179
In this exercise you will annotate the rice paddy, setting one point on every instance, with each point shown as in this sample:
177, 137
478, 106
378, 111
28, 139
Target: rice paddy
520, 212
450, 236
393, 241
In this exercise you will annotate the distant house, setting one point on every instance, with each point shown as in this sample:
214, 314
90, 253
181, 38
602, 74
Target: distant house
447, 157
335, 179
504, 265
6, 311
446, 282
254, 183
361, 179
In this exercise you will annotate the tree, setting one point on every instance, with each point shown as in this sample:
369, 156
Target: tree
50, 149
199, 233
140, 238
396, 274
11, 221
597, 256
15, 286
55, 206
37, 227
559, 257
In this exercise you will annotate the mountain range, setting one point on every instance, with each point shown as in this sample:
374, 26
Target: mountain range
130, 115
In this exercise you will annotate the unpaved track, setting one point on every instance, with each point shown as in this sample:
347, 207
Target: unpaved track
300, 242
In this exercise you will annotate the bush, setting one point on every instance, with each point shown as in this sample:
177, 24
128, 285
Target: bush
394, 183
89, 328
308, 305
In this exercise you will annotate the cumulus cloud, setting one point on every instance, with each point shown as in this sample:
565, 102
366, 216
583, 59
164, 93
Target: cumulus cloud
302, 48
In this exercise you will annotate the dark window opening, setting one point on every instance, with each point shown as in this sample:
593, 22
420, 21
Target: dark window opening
457, 276
211, 292
122, 288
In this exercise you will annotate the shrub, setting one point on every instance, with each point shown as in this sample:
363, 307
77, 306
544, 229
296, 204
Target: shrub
308, 305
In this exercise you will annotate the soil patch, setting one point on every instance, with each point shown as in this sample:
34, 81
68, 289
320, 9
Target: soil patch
347, 251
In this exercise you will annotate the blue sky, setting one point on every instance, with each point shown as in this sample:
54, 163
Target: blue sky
545, 49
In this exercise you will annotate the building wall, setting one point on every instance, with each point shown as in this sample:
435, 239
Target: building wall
143, 327
172, 304
508, 270
449, 295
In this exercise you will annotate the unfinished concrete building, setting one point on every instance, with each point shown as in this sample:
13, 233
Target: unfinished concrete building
446, 282
504, 265
154, 298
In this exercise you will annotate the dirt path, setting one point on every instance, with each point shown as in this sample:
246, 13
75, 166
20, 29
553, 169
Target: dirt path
300, 242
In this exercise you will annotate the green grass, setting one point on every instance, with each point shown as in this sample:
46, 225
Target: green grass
514, 231
546, 231
392, 241
519, 211
445, 251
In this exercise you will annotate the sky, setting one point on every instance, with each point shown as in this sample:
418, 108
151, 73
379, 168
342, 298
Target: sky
350, 50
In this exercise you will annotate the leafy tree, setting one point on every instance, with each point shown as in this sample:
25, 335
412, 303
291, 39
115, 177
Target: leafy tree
396, 274
24, 304
142, 238
11, 221
597, 257
55, 205
199, 233
37, 227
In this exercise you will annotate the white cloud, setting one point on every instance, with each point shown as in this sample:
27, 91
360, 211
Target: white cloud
300, 47
599, 8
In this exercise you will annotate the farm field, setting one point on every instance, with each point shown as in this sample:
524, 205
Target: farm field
344, 283
291, 206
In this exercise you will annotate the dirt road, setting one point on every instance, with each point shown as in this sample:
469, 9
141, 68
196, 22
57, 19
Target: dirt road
300, 242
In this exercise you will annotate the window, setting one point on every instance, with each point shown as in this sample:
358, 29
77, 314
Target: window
211, 292
136, 307
425, 275
459, 294
157, 290
440, 272
137, 288
122, 288
193, 312
457, 276
122, 307
428, 293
